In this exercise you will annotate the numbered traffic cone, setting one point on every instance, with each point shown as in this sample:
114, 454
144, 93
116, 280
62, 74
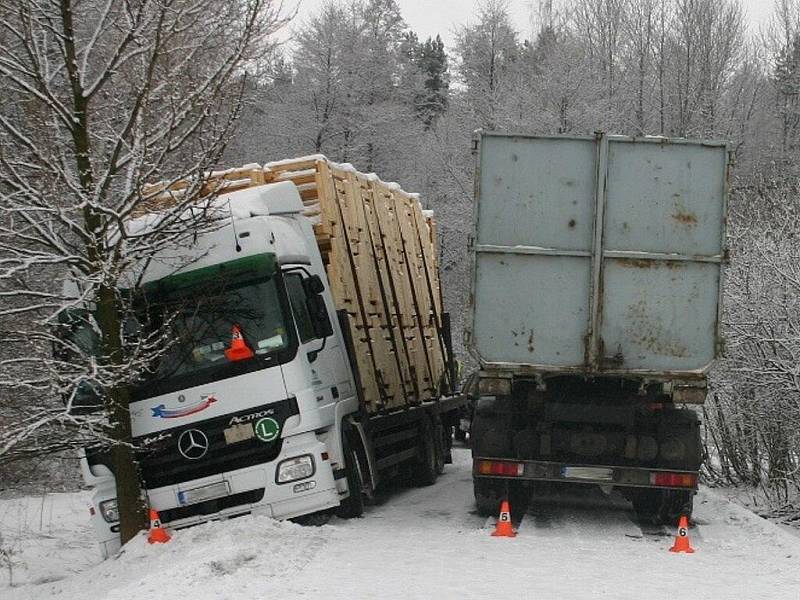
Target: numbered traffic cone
239, 349
682, 539
503, 527
157, 535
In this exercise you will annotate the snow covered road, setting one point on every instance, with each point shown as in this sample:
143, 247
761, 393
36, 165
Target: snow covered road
420, 543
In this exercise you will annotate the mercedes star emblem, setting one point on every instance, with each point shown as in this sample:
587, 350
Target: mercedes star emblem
193, 444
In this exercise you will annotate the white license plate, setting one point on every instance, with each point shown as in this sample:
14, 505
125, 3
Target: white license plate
591, 473
201, 494
239, 433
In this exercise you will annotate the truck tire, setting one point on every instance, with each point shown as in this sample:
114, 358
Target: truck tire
663, 507
352, 506
491, 433
443, 444
488, 496
426, 470
680, 444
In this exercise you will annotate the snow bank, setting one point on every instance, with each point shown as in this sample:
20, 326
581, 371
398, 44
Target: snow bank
428, 543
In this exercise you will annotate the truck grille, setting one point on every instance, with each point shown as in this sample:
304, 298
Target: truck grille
211, 506
161, 462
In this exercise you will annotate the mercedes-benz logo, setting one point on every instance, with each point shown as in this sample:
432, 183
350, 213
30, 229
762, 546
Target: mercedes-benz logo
193, 444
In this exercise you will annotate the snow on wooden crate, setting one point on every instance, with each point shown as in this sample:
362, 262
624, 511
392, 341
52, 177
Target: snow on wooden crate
379, 251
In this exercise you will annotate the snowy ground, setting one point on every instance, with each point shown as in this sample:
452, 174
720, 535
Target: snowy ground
420, 543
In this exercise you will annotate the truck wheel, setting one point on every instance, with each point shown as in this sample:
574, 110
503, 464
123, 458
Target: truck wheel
677, 503
352, 506
426, 470
443, 442
488, 496
680, 445
663, 507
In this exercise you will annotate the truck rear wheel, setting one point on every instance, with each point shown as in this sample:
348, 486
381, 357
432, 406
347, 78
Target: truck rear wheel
352, 506
663, 507
426, 470
488, 496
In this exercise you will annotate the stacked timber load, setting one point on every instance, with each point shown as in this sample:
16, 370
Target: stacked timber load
379, 251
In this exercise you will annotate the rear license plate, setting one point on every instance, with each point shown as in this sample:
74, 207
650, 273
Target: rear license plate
591, 473
239, 433
201, 494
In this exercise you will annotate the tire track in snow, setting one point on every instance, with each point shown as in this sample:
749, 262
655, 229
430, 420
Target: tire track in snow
580, 512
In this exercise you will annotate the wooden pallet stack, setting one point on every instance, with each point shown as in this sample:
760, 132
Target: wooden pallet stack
379, 250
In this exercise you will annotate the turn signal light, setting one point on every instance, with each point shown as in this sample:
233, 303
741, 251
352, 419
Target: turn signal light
687, 480
501, 468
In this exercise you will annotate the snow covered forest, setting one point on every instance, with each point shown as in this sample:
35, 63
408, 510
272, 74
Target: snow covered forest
355, 83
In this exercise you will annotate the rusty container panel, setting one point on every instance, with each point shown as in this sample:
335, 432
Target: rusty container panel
659, 315
549, 330
664, 198
664, 201
534, 196
597, 254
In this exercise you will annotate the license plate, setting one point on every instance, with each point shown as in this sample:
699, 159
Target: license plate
201, 494
239, 433
591, 473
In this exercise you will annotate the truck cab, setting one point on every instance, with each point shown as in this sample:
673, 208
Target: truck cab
243, 411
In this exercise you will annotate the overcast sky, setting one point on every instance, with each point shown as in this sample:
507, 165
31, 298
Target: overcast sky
429, 17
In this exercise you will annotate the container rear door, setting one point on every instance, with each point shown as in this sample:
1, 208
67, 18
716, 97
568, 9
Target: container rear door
535, 215
662, 247
597, 254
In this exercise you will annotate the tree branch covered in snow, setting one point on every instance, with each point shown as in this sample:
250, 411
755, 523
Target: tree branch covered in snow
99, 98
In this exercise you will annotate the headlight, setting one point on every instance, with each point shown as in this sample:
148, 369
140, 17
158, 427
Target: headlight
295, 468
109, 510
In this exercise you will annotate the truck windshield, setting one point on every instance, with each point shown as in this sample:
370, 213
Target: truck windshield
200, 313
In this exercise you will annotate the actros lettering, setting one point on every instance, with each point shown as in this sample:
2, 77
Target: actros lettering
251, 416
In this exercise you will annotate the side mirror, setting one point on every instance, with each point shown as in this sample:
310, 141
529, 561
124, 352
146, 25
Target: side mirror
319, 316
313, 285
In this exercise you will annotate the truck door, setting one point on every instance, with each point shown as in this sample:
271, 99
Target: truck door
322, 361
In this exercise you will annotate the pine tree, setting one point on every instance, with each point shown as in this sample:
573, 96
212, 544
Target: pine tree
433, 65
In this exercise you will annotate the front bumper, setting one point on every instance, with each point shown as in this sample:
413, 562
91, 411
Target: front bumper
280, 501
255, 485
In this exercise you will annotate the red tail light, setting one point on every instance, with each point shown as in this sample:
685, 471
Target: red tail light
501, 468
687, 480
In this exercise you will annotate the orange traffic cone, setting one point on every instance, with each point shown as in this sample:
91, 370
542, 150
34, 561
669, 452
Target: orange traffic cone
239, 349
682, 539
503, 527
157, 535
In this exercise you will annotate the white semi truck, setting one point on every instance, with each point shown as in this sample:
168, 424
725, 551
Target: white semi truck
311, 357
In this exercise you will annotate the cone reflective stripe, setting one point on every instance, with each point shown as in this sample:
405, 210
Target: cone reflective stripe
157, 534
682, 539
239, 349
503, 527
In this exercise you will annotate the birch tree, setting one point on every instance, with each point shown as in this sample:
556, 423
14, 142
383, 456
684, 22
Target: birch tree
102, 96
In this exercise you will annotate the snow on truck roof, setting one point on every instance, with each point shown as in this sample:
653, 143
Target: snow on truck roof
301, 171
260, 201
